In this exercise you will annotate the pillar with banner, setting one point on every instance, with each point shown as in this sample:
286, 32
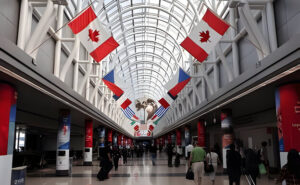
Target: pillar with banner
201, 133
88, 149
287, 98
228, 135
169, 139
110, 136
8, 98
63, 144
119, 140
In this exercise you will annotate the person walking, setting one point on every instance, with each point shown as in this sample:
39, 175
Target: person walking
105, 163
132, 151
213, 159
197, 160
153, 150
178, 155
170, 154
290, 172
263, 156
234, 163
116, 156
251, 164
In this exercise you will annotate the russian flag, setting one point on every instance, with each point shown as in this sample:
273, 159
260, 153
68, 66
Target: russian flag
178, 82
111, 81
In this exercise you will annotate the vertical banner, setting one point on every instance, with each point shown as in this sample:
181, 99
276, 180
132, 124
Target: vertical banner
8, 98
178, 137
110, 136
88, 150
63, 143
101, 131
89, 134
228, 136
287, 98
201, 133
163, 140
173, 138
120, 139
187, 136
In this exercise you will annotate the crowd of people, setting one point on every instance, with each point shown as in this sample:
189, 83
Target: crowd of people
201, 161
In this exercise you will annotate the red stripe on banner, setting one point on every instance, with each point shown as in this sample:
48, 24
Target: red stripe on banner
89, 134
154, 117
151, 127
6, 101
126, 103
197, 52
164, 103
83, 20
175, 90
215, 22
115, 89
104, 49
135, 117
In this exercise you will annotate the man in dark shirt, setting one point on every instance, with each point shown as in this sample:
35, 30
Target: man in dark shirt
234, 162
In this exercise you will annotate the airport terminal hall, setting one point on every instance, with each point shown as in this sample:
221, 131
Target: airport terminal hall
149, 92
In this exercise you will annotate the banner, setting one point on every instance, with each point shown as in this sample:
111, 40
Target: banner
88, 133
187, 136
110, 136
101, 131
201, 133
287, 98
63, 137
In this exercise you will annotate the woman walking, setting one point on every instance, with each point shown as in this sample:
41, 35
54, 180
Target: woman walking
213, 159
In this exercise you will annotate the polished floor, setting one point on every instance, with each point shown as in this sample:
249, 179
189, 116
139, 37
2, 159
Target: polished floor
138, 171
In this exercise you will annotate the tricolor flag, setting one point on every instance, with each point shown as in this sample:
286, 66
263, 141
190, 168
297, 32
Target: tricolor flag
129, 113
94, 36
112, 81
177, 83
205, 36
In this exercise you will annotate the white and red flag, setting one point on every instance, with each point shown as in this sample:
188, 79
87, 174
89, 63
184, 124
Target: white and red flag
205, 36
95, 37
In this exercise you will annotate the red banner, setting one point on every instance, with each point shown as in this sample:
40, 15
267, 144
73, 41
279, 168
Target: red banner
201, 133
120, 139
89, 133
7, 114
110, 136
178, 137
288, 116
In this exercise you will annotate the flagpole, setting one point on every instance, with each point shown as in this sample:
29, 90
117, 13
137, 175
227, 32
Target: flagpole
52, 34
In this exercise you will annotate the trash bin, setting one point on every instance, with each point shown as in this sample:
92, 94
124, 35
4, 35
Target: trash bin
18, 175
70, 165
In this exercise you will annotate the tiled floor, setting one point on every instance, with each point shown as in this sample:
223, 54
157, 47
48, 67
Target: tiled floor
137, 171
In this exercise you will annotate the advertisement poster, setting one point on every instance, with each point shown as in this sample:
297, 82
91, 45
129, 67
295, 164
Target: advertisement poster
287, 100
63, 139
89, 134
201, 134
101, 137
187, 136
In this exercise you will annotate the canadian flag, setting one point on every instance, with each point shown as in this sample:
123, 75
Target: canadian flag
95, 37
205, 36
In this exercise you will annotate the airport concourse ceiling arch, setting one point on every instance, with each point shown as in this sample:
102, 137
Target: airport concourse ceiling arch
149, 33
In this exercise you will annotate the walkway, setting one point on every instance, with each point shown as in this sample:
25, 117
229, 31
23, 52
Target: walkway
138, 171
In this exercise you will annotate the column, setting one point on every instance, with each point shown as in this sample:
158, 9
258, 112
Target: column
169, 139
228, 135
119, 140
101, 131
287, 98
201, 133
88, 149
8, 97
115, 139
63, 144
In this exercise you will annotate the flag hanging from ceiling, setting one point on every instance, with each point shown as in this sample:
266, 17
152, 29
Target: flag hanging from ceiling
129, 113
160, 112
177, 83
94, 36
205, 35
113, 83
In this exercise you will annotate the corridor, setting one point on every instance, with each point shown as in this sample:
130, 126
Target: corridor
138, 171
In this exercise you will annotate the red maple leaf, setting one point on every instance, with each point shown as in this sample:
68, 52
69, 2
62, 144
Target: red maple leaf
204, 36
94, 35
